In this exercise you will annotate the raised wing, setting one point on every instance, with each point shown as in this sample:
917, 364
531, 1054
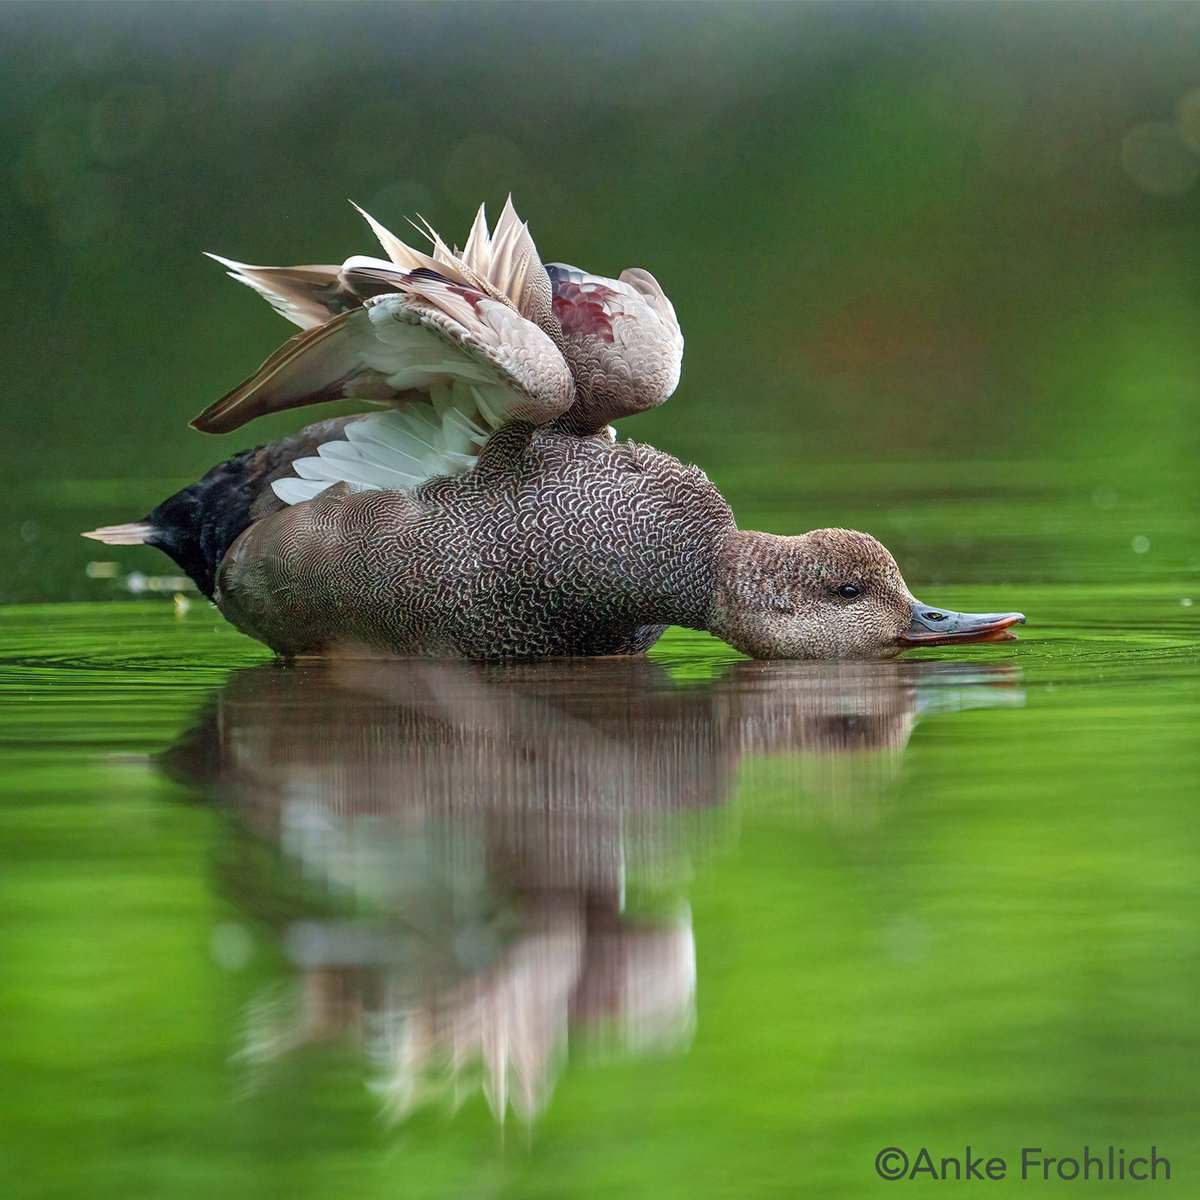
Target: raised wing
503, 265
453, 339
459, 342
621, 338
310, 295
458, 363
403, 344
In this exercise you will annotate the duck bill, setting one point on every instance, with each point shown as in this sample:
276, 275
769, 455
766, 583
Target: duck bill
941, 627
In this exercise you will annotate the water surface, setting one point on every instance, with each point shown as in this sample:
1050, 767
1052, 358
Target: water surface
690, 925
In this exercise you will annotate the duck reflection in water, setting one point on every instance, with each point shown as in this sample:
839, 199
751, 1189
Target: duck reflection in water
480, 863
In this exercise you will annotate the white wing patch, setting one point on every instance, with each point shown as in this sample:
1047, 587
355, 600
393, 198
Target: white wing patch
398, 449
479, 364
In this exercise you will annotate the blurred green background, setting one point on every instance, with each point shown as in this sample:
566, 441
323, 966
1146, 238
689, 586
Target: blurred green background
955, 234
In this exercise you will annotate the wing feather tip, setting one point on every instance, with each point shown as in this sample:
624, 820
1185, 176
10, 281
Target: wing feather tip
215, 419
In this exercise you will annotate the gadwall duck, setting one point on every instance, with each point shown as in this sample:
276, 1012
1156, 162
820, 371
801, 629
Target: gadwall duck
488, 511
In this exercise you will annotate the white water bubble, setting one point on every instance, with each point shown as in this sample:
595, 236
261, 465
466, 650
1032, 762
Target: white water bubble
1140, 544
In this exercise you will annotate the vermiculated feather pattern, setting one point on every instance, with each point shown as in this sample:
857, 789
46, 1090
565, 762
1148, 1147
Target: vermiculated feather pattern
554, 544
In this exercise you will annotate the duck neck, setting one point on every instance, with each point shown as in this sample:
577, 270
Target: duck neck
751, 573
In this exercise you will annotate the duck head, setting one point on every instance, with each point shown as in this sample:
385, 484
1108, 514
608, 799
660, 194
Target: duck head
831, 593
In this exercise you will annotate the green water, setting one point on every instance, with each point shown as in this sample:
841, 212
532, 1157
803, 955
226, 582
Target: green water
685, 927
693, 926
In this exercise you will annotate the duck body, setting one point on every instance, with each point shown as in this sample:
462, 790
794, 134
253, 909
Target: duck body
554, 544
488, 511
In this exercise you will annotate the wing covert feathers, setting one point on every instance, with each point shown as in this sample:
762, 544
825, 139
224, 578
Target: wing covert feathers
622, 339
318, 364
390, 331
400, 345
459, 342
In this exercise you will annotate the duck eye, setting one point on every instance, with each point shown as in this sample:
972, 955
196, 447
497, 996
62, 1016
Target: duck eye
848, 591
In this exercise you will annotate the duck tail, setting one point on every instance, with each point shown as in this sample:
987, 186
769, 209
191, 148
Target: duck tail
199, 523
182, 530
132, 533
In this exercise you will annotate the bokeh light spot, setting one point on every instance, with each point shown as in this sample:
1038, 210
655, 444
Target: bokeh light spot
1189, 118
1158, 160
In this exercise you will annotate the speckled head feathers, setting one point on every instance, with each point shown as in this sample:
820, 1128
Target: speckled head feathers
846, 556
829, 593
